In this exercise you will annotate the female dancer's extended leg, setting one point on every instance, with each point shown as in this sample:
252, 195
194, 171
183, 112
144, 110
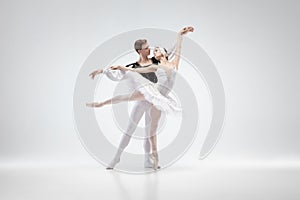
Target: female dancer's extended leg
136, 96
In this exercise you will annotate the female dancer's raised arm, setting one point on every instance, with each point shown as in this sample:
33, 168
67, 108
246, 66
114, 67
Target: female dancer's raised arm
183, 31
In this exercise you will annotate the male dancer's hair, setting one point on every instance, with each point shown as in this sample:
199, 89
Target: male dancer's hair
138, 44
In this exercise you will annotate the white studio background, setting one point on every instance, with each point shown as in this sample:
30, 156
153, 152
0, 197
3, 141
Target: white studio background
254, 45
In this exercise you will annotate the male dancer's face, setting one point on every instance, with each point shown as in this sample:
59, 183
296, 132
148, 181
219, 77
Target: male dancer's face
145, 51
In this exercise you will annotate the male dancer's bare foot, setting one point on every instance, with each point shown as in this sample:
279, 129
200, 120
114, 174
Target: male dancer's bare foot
94, 104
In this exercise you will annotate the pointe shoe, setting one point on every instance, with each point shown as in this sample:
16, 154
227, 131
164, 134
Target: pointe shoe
113, 163
149, 164
154, 157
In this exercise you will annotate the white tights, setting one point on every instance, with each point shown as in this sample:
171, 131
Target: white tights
152, 116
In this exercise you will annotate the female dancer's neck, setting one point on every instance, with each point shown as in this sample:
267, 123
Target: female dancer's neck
163, 61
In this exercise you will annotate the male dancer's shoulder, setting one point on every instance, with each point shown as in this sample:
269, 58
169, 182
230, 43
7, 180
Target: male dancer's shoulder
133, 65
136, 64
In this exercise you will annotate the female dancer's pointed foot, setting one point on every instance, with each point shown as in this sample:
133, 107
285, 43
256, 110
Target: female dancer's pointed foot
112, 164
154, 157
148, 162
94, 104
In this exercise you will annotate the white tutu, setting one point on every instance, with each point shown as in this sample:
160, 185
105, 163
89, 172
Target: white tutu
153, 92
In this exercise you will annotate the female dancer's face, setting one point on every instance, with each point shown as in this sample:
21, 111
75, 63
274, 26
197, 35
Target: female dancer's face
157, 54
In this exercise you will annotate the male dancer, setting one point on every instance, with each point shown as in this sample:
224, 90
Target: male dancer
152, 116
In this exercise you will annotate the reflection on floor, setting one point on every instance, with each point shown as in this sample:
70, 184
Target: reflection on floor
200, 180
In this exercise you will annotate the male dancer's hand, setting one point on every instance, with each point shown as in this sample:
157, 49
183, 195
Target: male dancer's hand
94, 73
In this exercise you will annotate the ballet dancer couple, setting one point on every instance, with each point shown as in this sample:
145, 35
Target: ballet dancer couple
151, 80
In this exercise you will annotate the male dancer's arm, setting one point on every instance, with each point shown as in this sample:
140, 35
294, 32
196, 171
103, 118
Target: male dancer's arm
99, 71
151, 68
113, 76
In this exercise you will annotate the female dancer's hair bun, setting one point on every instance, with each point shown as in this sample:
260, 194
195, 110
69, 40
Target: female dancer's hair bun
163, 51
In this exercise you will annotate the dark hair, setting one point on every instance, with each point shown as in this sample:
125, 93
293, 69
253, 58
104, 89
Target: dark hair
167, 54
138, 44
154, 60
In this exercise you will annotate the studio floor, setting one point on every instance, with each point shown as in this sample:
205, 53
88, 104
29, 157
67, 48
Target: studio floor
199, 180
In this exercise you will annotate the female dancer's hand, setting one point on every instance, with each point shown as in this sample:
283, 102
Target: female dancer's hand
186, 30
94, 73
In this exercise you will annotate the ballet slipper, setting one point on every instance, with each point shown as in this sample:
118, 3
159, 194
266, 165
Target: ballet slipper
113, 163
